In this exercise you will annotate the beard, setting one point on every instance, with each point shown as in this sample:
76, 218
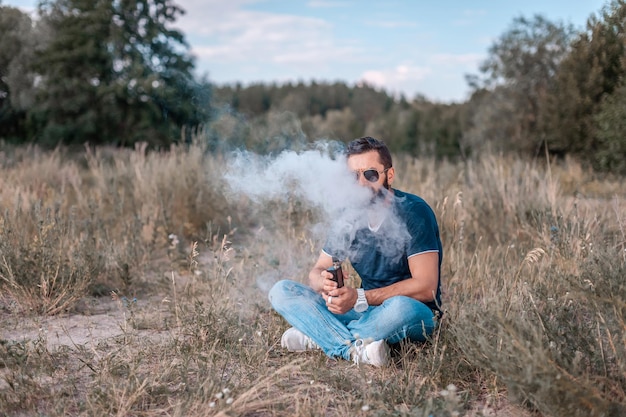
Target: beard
386, 183
378, 196
381, 194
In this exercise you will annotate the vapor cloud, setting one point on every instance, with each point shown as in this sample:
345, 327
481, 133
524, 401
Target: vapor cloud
319, 178
314, 176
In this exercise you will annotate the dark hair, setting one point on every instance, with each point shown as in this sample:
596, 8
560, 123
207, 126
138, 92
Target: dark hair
367, 144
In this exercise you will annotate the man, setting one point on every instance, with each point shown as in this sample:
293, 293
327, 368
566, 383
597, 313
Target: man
396, 250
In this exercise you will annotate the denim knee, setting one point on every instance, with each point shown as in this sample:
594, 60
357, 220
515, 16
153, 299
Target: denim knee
400, 303
415, 316
278, 291
285, 292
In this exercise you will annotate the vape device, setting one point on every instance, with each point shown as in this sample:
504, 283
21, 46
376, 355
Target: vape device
337, 272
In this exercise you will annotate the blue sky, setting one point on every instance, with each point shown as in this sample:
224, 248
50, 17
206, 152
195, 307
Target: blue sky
404, 46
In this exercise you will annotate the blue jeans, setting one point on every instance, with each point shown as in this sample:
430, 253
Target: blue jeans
396, 319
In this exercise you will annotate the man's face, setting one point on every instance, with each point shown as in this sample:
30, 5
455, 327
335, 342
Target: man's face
370, 161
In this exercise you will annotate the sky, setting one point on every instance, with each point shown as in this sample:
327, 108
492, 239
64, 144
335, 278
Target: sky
408, 47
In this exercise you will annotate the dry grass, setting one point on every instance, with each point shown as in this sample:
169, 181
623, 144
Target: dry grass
533, 276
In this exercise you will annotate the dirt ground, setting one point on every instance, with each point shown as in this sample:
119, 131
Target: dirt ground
95, 319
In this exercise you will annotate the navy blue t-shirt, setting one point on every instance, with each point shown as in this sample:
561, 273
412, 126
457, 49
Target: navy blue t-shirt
380, 256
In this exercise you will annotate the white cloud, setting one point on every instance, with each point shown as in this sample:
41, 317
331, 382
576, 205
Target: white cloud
466, 60
211, 16
470, 17
235, 42
473, 13
232, 34
26, 6
391, 24
398, 79
399, 73
377, 78
318, 4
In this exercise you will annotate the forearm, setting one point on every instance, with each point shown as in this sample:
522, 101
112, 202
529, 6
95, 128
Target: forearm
408, 287
316, 281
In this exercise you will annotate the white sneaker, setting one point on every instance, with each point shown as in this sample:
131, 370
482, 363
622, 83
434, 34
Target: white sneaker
372, 353
295, 341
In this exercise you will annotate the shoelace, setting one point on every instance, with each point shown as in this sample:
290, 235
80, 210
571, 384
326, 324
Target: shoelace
359, 348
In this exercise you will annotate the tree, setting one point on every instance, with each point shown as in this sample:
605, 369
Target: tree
115, 72
17, 42
610, 133
76, 70
590, 74
421, 128
519, 70
368, 103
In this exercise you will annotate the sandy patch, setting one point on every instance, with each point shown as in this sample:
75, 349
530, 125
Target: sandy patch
97, 319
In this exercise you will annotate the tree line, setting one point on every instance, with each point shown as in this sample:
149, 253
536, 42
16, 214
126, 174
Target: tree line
114, 72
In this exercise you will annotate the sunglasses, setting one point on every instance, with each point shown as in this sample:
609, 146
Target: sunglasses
370, 174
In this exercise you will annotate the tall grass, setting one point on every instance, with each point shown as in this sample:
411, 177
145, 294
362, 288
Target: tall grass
535, 301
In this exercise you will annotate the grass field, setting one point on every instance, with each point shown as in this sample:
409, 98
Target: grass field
132, 284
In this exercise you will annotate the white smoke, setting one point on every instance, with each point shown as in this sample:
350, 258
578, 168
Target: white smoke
320, 179
312, 176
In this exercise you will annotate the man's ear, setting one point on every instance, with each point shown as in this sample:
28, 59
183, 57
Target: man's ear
391, 173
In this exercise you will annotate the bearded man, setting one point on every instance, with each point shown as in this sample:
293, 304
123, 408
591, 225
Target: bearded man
394, 246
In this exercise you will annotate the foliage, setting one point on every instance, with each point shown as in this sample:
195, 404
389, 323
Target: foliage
17, 44
47, 261
519, 71
545, 85
106, 71
610, 125
75, 67
333, 111
594, 69
72, 224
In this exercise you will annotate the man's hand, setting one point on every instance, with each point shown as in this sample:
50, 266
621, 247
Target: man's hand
338, 300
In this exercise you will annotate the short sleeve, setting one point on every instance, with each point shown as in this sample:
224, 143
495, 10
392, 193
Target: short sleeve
422, 227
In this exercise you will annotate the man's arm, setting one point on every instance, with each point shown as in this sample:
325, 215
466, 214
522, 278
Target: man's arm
422, 285
318, 273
